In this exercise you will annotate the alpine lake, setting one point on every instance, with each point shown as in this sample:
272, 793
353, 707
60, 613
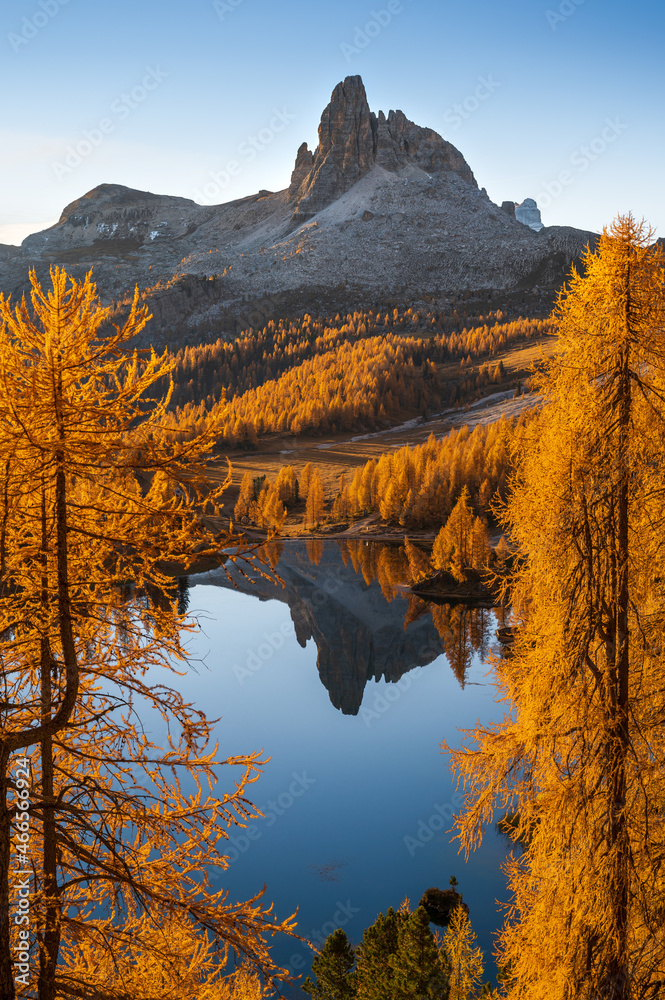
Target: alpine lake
347, 683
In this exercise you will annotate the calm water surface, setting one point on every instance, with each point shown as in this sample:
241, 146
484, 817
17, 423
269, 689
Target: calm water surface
348, 687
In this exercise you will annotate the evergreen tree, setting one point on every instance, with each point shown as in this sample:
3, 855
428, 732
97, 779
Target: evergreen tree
304, 480
392, 501
480, 544
245, 497
332, 968
287, 485
375, 976
340, 508
366, 491
453, 546
273, 511
420, 969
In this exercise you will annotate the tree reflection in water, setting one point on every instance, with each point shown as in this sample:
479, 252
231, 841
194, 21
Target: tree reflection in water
353, 598
463, 630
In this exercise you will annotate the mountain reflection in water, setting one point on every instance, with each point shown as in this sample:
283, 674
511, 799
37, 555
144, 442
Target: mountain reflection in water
352, 598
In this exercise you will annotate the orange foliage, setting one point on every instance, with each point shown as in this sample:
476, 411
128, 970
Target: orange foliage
203, 373
418, 486
338, 381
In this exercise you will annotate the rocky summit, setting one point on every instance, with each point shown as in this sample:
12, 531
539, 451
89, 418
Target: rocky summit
352, 140
382, 205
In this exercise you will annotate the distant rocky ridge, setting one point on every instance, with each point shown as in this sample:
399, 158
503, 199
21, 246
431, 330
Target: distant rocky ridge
528, 214
380, 204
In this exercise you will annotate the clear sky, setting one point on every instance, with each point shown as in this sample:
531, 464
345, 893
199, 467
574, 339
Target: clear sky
560, 100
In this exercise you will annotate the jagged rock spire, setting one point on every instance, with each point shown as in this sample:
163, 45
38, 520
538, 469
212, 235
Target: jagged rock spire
352, 139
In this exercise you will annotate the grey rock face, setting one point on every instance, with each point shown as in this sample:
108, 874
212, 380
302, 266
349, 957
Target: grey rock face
303, 167
121, 216
359, 636
509, 208
401, 209
344, 153
399, 142
352, 139
528, 214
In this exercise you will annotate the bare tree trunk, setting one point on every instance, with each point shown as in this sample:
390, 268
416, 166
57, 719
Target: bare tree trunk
618, 985
30, 737
49, 937
617, 980
50, 932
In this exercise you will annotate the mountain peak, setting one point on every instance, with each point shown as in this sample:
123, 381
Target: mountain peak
352, 139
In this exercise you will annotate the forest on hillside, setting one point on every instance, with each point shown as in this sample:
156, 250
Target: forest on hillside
231, 367
313, 378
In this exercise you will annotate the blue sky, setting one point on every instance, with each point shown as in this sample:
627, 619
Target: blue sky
561, 100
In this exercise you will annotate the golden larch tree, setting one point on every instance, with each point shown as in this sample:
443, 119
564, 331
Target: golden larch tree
305, 477
287, 485
579, 758
453, 546
245, 497
97, 491
315, 501
464, 956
